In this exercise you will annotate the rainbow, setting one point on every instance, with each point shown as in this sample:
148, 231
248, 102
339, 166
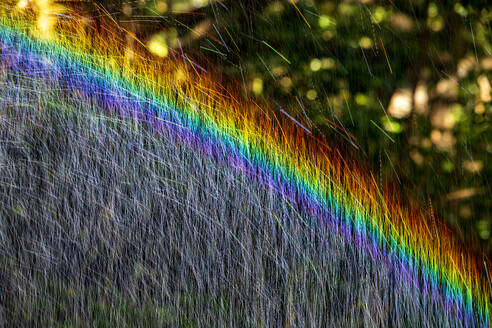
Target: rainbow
177, 94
